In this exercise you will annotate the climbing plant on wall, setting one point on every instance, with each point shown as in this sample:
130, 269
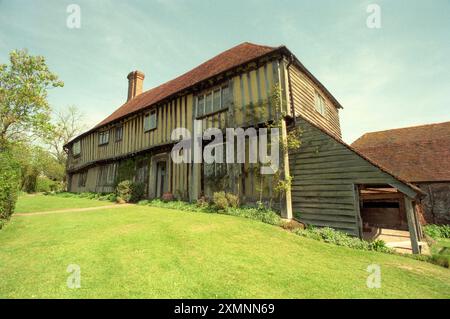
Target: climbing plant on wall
125, 171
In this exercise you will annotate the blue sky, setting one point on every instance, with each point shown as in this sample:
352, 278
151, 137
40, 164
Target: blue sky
390, 77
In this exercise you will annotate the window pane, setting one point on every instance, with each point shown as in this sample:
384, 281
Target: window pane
146, 122
322, 105
76, 148
200, 105
216, 100
152, 120
319, 103
119, 132
208, 106
225, 96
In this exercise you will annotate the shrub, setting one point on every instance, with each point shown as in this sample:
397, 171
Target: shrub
330, 235
379, 245
292, 225
137, 191
233, 200
9, 184
437, 231
45, 184
202, 202
123, 191
220, 200
264, 215
108, 197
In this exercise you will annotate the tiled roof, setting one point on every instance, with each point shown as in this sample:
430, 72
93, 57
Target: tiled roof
417, 154
227, 60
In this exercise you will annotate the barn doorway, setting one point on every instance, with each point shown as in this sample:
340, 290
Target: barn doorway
384, 216
383, 208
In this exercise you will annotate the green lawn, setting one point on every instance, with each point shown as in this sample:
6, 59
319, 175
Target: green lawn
38, 203
153, 252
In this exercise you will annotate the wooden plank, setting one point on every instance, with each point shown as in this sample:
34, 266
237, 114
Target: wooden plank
315, 187
330, 155
298, 198
340, 176
344, 169
323, 194
411, 217
325, 211
299, 205
325, 165
358, 218
334, 224
350, 219
299, 181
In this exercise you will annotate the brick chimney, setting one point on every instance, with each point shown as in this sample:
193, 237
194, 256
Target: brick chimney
135, 84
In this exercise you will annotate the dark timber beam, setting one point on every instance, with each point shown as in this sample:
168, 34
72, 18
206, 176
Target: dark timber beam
412, 225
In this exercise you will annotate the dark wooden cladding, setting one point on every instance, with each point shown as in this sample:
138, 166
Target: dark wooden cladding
325, 173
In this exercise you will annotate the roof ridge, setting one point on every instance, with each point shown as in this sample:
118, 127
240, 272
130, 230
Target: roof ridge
185, 74
404, 128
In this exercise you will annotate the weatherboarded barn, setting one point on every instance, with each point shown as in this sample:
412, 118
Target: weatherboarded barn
328, 177
420, 155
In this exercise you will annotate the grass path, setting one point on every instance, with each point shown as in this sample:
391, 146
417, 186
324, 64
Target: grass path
72, 210
146, 252
37, 203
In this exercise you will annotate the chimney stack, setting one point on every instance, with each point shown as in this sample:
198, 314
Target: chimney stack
135, 84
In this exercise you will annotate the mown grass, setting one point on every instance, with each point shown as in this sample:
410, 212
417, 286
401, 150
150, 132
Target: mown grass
38, 203
150, 252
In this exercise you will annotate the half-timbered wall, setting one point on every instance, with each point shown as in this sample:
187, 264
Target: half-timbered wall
250, 103
176, 113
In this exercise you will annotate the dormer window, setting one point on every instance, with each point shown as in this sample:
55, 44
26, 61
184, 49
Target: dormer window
103, 138
76, 148
319, 103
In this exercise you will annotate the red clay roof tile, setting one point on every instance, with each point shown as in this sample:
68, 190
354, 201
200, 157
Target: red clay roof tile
417, 154
226, 60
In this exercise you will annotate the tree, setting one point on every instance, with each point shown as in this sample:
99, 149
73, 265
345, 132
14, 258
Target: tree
66, 125
36, 161
24, 109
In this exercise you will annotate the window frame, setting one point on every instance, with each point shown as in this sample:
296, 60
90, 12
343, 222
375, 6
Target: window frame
79, 149
149, 116
119, 128
107, 175
223, 104
101, 138
319, 103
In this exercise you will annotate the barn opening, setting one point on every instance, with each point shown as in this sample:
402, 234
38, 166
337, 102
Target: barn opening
383, 215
